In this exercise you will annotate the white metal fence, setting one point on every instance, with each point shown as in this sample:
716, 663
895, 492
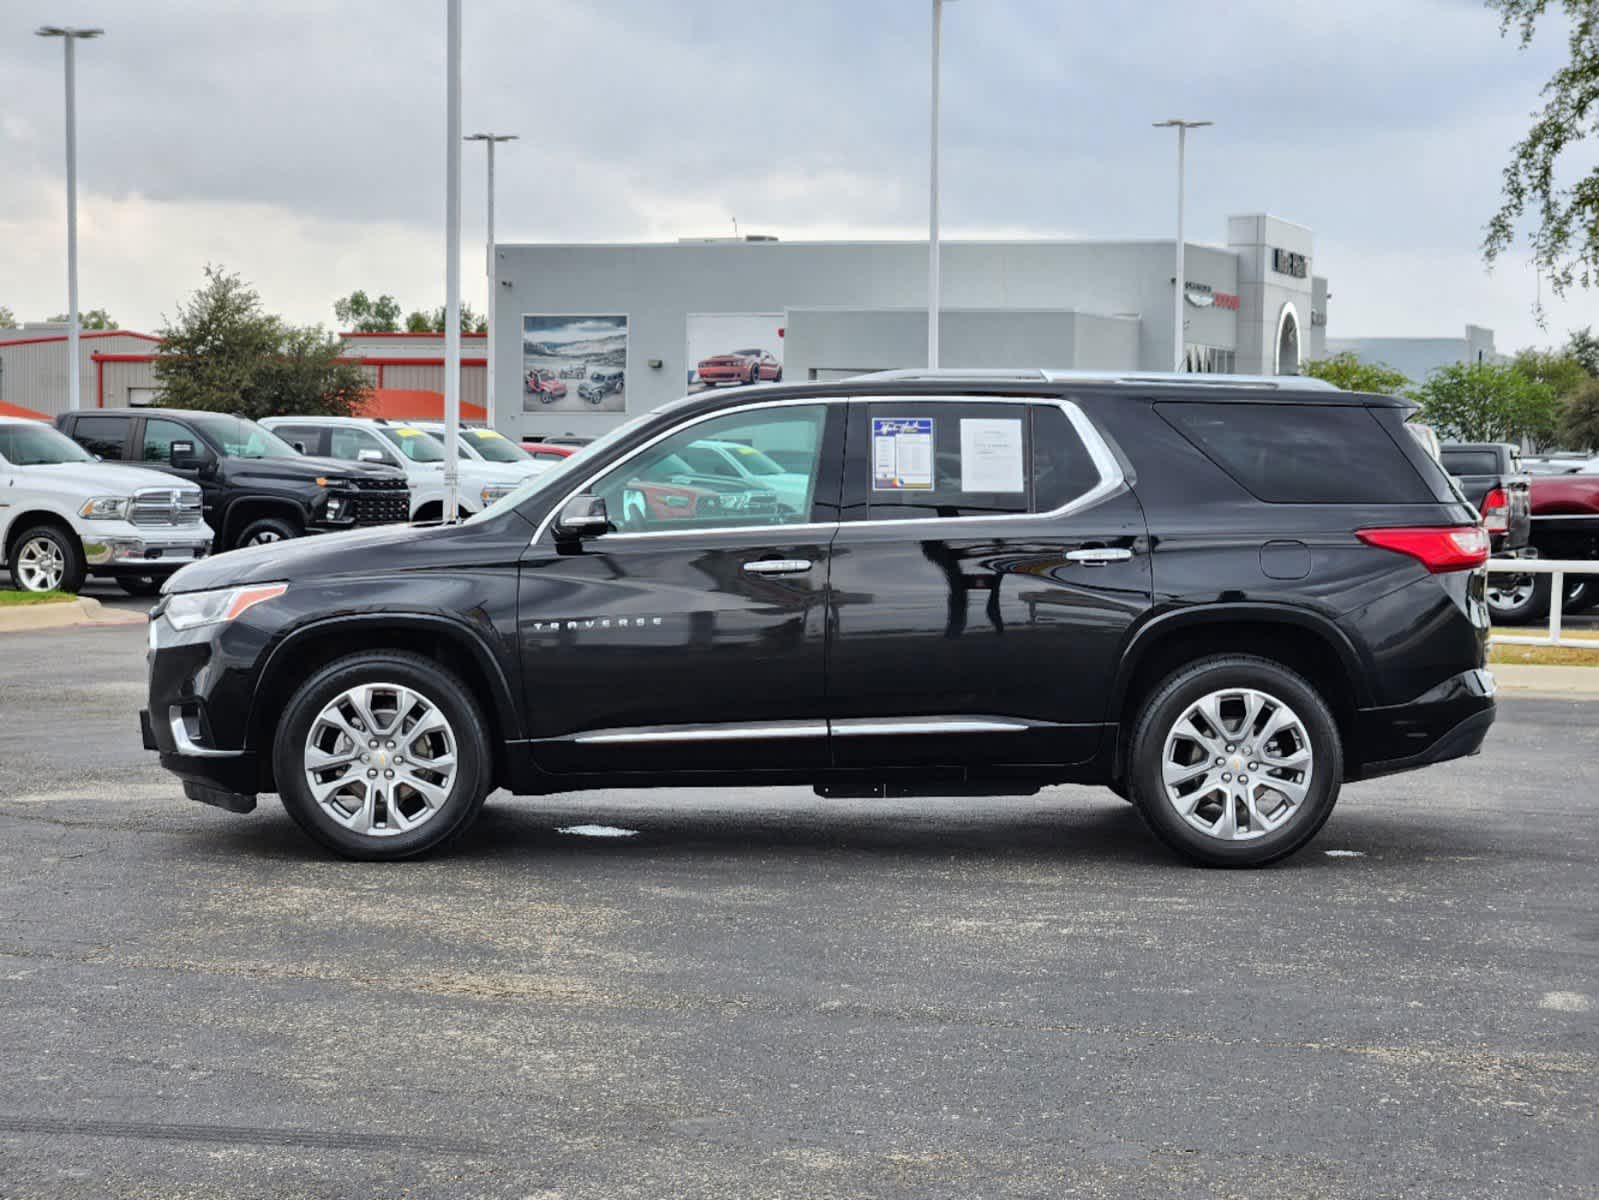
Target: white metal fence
1559, 568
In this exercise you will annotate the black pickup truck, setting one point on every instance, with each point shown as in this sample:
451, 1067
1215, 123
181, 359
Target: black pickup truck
257, 487
1490, 475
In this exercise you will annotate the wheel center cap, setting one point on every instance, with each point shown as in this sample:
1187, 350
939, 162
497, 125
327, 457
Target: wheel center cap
382, 757
1236, 762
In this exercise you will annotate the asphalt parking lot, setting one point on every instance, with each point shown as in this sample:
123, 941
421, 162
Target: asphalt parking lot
768, 994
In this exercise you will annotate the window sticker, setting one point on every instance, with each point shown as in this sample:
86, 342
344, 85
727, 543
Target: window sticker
485, 434
405, 432
902, 454
991, 455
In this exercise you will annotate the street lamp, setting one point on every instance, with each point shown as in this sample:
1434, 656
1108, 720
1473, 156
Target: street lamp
69, 36
452, 259
1182, 127
488, 139
932, 203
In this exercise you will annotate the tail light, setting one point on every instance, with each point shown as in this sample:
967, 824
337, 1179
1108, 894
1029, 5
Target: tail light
1496, 511
1438, 548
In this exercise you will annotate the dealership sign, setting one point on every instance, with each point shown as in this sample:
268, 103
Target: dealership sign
1285, 262
1202, 295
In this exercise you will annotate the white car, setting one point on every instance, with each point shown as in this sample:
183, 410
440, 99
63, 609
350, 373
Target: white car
400, 444
488, 445
734, 460
64, 515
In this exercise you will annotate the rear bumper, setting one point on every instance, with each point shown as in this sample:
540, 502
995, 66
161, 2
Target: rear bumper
1445, 722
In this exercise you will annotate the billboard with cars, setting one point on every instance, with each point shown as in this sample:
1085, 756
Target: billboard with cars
732, 349
574, 363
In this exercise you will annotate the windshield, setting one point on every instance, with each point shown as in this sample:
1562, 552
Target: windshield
33, 444
495, 447
413, 443
240, 438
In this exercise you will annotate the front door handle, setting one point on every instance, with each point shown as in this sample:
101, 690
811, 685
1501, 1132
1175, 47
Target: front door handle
1098, 556
778, 566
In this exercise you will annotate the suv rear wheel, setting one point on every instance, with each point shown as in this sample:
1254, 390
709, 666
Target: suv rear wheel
382, 755
1236, 761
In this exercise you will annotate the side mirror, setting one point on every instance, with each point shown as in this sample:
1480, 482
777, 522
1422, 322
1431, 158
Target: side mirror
364, 455
584, 516
185, 458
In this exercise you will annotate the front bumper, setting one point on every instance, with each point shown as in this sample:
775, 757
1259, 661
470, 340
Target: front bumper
148, 553
1445, 722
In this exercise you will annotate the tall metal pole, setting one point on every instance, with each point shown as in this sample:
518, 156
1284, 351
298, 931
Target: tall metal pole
1177, 310
933, 298
74, 368
452, 261
1179, 284
488, 270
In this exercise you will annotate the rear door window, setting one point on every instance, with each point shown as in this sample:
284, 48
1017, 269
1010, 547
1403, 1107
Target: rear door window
105, 436
307, 439
1470, 462
1302, 453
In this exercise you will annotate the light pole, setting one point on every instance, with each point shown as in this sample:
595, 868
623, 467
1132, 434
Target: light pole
488, 139
933, 299
69, 37
452, 259
1182, 127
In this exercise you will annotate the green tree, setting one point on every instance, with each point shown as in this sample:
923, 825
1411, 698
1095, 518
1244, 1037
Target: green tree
419, 321
1488, 402
1558, 369
1583, 346
224, 353
1564, 238
1345, 370
359, 313
1579, 424
8, 319
95, 318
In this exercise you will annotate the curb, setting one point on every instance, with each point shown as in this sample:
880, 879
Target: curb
1566, 683
84, 610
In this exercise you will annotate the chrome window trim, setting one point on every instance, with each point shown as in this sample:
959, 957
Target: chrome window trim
1111, 477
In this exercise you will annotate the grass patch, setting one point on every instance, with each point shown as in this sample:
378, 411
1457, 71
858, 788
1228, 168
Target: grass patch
1546, 656
9, 596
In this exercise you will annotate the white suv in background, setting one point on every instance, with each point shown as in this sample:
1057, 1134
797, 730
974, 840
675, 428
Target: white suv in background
399, 444
488, 445
64, 514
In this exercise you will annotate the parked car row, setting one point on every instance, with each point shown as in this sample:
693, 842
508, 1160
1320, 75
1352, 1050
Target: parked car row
1544, 515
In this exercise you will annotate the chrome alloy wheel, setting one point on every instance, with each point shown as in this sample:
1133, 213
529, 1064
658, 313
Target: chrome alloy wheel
380, 759
1237, 764
264, 537
40, 565
1509, 591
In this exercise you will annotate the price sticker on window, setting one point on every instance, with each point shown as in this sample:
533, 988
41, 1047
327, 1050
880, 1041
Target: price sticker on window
902, 454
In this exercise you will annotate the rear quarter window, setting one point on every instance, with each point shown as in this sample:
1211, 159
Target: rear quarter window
1470, 462
1302, 453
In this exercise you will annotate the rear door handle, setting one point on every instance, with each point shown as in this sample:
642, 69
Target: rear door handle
1098, 556
778, 566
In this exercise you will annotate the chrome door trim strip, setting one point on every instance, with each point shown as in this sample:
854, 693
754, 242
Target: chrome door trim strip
702, 733
903, 726
1111, 477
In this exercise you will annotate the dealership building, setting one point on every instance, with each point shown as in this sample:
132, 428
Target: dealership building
659, 313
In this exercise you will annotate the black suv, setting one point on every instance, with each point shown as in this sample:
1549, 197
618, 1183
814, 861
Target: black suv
1221, 598
257, 487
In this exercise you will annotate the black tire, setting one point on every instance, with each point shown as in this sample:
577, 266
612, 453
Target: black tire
443, 690
139, 585
1581, 594
1172, 698
72, 569
1532, 605
778, 378
263, 531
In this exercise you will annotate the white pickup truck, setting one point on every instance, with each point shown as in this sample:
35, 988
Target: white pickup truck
64, 515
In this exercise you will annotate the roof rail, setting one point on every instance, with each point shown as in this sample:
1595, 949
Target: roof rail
1287, 383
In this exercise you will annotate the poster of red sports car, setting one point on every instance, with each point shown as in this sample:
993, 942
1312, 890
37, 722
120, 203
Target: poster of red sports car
734, 349
574, 363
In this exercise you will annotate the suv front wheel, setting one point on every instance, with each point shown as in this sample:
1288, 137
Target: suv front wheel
382, 755
1236, 761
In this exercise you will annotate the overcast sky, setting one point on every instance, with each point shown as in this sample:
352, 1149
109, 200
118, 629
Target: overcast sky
300, 143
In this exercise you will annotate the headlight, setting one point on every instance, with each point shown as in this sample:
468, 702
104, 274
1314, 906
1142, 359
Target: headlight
190, 610
496, 491
335, 507
105, 508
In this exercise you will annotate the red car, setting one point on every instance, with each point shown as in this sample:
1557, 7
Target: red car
741, 366
543, 384
546, 452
